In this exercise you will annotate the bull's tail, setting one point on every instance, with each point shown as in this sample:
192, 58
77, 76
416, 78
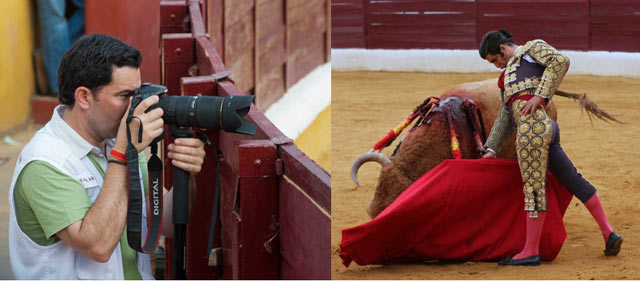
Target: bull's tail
590, 106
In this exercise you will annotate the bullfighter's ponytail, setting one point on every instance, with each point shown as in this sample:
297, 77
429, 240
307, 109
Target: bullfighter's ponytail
491, 41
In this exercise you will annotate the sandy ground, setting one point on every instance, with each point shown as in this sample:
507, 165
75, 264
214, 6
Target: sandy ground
6, 173
367, 104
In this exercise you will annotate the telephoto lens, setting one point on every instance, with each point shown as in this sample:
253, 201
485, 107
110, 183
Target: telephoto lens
203, 112
209, 112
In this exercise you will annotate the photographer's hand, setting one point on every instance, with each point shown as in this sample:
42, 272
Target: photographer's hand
152, 125
187, 154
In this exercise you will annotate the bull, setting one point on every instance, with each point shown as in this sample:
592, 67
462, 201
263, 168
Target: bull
429, 143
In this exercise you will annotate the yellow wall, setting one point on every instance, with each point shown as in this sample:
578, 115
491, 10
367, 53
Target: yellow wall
315, 141
16, 66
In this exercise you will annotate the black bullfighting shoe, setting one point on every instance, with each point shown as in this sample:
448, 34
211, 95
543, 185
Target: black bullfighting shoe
529, 261
613, 244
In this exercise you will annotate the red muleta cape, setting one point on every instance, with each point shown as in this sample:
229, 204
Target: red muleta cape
462, 210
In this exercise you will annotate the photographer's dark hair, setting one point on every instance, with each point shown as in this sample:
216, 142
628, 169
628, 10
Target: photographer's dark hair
89, 63
491, 41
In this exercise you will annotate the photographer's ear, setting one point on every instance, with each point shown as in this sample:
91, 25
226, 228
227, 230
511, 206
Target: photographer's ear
84, 97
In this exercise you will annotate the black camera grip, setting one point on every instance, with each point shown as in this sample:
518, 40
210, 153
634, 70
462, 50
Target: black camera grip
180, 196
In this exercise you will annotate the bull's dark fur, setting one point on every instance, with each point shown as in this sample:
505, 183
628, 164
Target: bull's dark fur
421, 150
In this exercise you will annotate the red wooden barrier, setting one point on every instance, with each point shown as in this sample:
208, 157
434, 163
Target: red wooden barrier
275, 201
563, 24
397, 24
269, 45
451, 24
614, 25
117, 17
347, 23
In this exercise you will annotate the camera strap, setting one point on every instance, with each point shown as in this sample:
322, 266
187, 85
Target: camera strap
216, 196
136, 198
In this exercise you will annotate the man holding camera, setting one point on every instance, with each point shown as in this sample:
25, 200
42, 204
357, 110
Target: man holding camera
69, 192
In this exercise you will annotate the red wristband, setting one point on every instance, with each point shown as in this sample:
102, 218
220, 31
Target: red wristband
117, 155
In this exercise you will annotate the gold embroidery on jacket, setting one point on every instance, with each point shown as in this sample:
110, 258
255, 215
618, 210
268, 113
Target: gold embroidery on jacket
556, 66
533, 137
501, 130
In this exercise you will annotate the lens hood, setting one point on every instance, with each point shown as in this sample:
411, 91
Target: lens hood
233, 109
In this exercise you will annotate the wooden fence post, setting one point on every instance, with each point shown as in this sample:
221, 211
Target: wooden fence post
250, 212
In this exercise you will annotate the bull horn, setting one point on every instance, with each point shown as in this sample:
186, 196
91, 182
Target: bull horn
364, 158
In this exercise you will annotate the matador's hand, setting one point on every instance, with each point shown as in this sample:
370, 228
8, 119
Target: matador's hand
489, 154
531, 105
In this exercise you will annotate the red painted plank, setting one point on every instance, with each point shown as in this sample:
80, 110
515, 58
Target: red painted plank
305, 239
420, 24
196, 19
259, 254
122, 19
298, 9
239, 37
419, 39
354, 21
172, 16
230, 219
617, 8
301, 33
345, 10
563, 24
239, 47
532, 1
614, 27
616, 19
303, 59
178, 47
270, 17
337, 43
207, 58
441, 30
313, 180
177, 57
235, 10
573, 37
257, 158
215, 25
242, 69
420, 6
271, 86
416, 20
272, 52
535, 9
347, 24
250, 214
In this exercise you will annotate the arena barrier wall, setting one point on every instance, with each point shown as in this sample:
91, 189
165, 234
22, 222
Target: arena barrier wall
268, 45
275, 201
451, 24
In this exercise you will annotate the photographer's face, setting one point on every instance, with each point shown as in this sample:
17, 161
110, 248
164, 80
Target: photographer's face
111, 102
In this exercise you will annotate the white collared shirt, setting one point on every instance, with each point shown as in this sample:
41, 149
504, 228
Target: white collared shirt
62, 147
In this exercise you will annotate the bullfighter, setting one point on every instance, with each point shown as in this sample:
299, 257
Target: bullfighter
532, 73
